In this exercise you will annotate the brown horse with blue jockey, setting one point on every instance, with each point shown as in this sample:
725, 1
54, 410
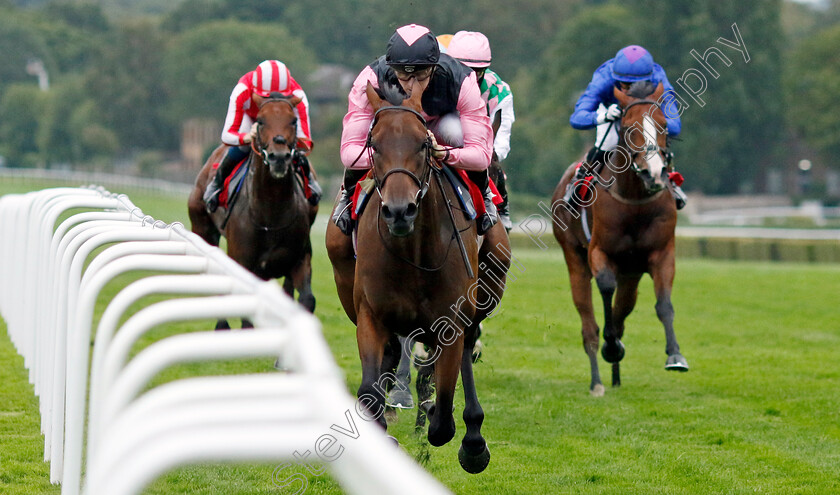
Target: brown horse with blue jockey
619, 229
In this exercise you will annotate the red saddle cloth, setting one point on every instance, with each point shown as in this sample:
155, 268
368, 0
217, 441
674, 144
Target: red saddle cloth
475, 194
232, 180
586, 184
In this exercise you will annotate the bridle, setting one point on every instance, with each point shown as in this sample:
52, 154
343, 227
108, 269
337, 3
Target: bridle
423, 188
422, 183
648, 148
262, 149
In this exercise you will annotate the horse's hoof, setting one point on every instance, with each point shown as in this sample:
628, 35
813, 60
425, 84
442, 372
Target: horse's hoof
474, 464
613, 354
597, 390
676, 362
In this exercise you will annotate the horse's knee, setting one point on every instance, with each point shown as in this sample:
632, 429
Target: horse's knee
605, 279
308, 302
664, 310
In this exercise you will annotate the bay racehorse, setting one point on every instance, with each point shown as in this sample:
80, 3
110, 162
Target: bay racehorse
267, 227
419, 273
631, 216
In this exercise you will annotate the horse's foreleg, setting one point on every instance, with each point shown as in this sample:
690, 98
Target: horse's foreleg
371, 338
441, 421
580, 279
625, 301
605, 278
301, 279
343, 260
662, 272
473, 454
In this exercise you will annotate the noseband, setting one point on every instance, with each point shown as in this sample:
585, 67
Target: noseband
422, 184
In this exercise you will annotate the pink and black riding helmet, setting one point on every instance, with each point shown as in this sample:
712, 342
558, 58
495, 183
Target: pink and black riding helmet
412, 47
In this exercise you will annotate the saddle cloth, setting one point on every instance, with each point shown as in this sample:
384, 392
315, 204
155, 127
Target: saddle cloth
233, 183
469, 195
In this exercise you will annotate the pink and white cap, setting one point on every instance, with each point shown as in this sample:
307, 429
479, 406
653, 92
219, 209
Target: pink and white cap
270, 76
471, 48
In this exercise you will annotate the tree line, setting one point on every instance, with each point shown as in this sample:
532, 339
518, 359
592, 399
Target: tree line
122, 79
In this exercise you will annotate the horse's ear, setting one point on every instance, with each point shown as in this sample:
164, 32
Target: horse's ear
258, 100
657, 93
373, 97
415, 101
623, 99
295, 100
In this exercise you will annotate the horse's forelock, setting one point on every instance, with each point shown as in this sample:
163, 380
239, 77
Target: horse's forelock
393, 93
641, 89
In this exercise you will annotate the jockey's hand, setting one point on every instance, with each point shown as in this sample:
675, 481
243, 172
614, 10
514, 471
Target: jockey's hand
252, 134
613, 112
438, 151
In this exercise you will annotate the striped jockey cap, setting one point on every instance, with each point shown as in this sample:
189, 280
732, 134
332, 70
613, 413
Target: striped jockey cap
270, 76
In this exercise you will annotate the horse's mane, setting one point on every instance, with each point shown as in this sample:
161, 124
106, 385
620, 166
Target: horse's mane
641, 89
276, 95
393, 93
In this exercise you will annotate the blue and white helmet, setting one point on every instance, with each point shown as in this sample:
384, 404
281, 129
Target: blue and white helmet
632, 63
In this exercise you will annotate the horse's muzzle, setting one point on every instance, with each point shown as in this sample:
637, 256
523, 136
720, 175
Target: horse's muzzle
279, 164
400, 218
652, 184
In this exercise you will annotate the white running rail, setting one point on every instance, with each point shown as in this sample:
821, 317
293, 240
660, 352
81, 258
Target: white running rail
53, 277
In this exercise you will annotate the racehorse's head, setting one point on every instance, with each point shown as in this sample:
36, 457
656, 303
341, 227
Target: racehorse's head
277, 132
399, 147
643, 134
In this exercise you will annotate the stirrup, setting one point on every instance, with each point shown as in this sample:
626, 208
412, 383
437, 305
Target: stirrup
488, 219
314, 191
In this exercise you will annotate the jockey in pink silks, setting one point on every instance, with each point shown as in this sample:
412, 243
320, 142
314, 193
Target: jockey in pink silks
452, 107
473, 50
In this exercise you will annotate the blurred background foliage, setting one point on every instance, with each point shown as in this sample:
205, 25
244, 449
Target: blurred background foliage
125, 75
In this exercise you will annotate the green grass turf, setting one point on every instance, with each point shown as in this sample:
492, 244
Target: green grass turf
759, 411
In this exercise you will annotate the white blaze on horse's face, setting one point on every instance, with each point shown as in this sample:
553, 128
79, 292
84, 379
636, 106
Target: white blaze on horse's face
653, 157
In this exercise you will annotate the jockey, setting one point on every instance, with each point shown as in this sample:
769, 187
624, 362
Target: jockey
240, 129
450, 96
473, 50
597, 107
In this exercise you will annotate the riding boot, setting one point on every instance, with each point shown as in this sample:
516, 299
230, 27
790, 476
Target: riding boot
679, 196
503, 207
400, 394
314, 188
594, 159
234, 155
491, 216
342, 214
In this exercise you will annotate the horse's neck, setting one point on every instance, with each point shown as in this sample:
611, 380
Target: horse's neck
432, 230
626, 182
264, 189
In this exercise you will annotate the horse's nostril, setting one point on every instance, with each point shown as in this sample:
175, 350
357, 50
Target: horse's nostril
386, 212
411, 210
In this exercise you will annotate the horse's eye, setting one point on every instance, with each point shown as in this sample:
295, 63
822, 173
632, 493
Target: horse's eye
294, 122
